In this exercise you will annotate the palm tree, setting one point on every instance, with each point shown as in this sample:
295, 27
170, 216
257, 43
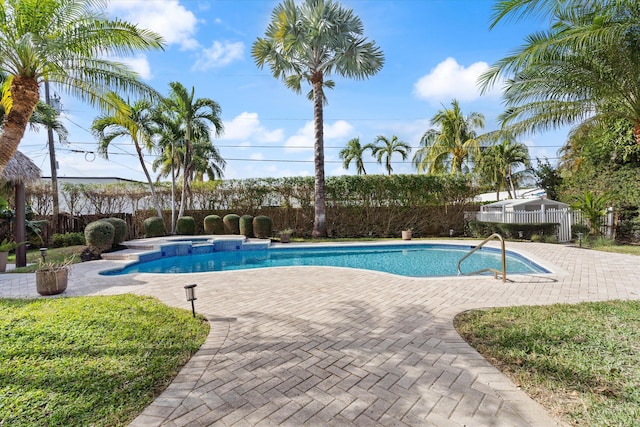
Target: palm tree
193, 117
497, 163
353, 152
129, 121
65, 43
308, 42
454, 143
388, 147
583, 70
46, 116
594, 207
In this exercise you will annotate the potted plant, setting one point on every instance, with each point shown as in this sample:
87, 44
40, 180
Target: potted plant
5, 247
285, 234
52, 276
406, 234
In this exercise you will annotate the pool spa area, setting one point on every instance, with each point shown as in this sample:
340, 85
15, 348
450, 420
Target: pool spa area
404, 259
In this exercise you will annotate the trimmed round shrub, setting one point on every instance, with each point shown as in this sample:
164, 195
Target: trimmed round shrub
154, 227
120, 226
246, 225
99, 235
213, 225
262, 227
231, 223
186, 225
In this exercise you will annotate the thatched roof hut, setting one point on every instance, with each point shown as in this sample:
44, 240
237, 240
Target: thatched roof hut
20, 169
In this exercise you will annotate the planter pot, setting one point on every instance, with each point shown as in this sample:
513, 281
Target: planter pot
3, 261
284, 238
52, 282
406, 234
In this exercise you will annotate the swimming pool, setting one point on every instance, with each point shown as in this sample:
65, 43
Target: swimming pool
413, 260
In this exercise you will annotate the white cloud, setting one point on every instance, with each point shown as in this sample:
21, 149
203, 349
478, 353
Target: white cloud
218, 55
246, 126
304, 139
451, 80
169, 18
139, 64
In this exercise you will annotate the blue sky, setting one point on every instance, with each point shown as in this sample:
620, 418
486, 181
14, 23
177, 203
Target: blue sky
434, 51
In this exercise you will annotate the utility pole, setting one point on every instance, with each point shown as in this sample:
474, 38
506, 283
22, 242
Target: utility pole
54, 165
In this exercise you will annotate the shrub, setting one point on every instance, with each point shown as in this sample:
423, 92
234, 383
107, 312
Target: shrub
120, 226
536, 238
213, 225
99, 235
262, 227
67, 239
186, 225
511, 230
154, 227
246, 225
232, 223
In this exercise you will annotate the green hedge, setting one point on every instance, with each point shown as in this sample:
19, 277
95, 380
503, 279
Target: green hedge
154, 227
481, 229
99, 235
186, 225
213, 225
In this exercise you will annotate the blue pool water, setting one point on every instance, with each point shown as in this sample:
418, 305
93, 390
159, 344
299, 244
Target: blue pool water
415, 260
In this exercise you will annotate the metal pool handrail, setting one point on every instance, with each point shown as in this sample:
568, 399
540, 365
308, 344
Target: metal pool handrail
493, 270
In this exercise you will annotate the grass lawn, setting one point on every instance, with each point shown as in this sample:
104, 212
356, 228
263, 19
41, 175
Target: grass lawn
89, 360
582, 362
53, 254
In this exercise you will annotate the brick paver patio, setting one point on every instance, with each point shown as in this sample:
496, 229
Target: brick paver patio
331, 346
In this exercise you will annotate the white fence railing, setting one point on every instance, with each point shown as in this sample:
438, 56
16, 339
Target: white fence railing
565, 218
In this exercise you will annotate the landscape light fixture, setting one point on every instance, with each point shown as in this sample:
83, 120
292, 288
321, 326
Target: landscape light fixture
43, 253
191, 296
520, 234
580, 239
451, 232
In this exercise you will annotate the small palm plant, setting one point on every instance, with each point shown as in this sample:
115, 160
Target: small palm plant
593, 207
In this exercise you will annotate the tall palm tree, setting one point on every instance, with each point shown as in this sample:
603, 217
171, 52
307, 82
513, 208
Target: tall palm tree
307, 43
353, 152
134, 122
585, 69
193, 117
169, 160
387, 148
452, 144
66, 43
497, 164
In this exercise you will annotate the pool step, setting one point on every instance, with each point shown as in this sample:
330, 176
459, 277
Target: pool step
150, 249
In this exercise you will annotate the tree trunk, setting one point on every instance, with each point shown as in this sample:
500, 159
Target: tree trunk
636, 132
154, 196
173, 194
24, 91
319, 220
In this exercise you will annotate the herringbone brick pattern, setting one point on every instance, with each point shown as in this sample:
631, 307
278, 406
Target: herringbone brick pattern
329, 346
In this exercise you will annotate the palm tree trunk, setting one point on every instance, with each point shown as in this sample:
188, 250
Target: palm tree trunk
319, 220
173, 194
154, 195
25, 95
185, 178
636, 132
